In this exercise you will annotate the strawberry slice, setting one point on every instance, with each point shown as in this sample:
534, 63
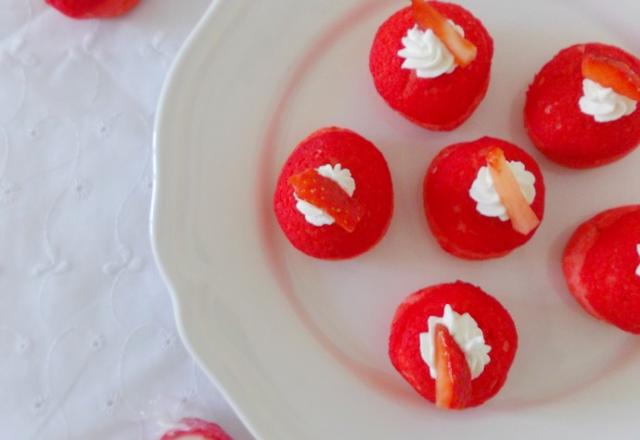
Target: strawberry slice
522, 217
196, 429
327, 195
453, 377
428, 17
612, 73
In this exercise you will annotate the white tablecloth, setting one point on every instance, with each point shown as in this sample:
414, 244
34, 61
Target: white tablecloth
88, 346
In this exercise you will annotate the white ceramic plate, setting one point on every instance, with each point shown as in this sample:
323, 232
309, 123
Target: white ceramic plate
299, 345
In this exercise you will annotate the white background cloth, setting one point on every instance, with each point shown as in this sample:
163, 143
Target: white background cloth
88, 346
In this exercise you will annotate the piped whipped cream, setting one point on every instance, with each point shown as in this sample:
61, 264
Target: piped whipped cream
638, 268
487, 199
465, 332
425, 53
603, 103
341, 176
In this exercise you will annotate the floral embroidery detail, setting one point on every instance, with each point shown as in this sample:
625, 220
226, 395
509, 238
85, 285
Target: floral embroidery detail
128, 262
96, 341
38, 403
103, 129
187, 396
64, 126
53, 267
81, 189
110, 403
152, 46
22, 344
14, 86
168, 340
8, 192
33, 132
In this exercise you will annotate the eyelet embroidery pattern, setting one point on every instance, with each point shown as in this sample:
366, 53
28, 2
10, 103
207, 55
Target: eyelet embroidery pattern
76, 126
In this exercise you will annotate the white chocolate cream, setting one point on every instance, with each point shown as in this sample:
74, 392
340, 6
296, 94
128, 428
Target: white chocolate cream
603, 103
426, 54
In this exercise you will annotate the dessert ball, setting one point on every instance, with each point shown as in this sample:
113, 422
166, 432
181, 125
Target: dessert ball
431, 63
582, 107
601, 264
334, 196
470, 213
454, 344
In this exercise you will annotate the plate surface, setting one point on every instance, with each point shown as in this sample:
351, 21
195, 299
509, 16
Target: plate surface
299, 345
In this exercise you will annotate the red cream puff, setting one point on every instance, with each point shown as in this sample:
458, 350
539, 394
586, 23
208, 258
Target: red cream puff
334, 196
454, 344
93, 8
482, 199
581, 109
601, 264
196, 429
432, 63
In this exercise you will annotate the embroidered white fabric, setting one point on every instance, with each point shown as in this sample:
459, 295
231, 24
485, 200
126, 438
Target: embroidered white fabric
88, 346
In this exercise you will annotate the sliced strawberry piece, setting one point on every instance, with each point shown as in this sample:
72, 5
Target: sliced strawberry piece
193, 429
428, 17
327, 195
522, 217
612, 73
453, 377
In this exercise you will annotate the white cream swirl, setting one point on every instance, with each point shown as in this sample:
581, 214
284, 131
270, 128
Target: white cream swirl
426, 54
487, 199
341, 176
465, 332
603, 103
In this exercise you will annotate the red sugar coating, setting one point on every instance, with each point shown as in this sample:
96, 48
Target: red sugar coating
493, 319
196, 428
557, 126
451, 212
441, 103
600, 262
374, 192
93, 8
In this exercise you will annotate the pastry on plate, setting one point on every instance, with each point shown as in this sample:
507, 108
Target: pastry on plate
454, 344
484, 198
601, 264
334, 196
196, 429
92, 9
431, 62
582, 107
